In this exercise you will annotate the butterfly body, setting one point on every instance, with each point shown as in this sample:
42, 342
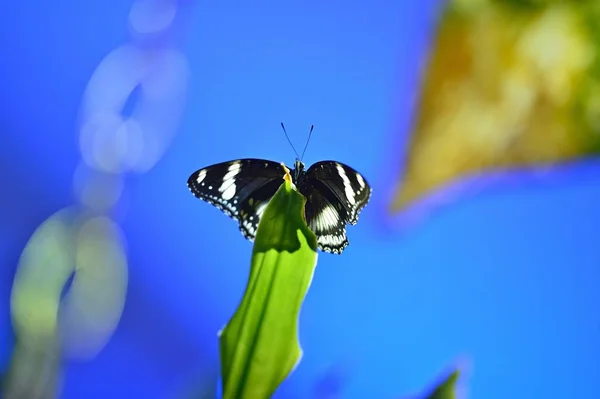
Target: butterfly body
335, 195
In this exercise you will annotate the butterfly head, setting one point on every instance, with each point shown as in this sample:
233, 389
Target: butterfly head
298, 170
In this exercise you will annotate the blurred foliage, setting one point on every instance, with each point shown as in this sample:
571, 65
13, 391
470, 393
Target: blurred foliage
446, 389
34, 371
509, 84
70, 287
67, 298
259, 346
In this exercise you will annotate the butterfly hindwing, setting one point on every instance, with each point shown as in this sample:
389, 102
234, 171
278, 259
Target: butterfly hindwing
252, 208
335, 196
324, 218
241, 189
349, 187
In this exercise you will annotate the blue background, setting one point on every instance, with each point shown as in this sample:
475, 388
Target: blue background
507, 279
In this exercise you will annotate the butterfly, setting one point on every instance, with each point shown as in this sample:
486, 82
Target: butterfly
335, 194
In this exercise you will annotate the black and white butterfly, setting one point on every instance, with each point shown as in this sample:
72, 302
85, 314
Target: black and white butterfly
335, 194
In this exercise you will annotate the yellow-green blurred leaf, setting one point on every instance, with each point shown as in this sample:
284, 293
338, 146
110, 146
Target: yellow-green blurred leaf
446, 389
507, 86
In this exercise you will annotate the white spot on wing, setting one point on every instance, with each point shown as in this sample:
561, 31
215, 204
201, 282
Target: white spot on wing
347, 184
261, 208
233, 170
201, 176
229, 192
228, 187
361, 181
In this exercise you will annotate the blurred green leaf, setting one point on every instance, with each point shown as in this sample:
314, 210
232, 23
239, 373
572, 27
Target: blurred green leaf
446, 389
259, 346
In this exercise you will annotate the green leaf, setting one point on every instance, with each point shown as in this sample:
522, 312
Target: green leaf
259, 346
446, 389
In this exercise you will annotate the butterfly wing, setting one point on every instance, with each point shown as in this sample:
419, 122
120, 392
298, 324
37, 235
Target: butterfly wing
349, 187
323, 215
335, 194
241, 189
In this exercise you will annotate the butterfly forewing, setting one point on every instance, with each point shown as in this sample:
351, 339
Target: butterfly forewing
241, 189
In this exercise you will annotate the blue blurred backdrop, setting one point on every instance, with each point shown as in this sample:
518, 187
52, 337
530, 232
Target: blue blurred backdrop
507, 280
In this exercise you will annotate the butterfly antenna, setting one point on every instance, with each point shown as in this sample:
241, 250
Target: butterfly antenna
306, 145
289, 141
